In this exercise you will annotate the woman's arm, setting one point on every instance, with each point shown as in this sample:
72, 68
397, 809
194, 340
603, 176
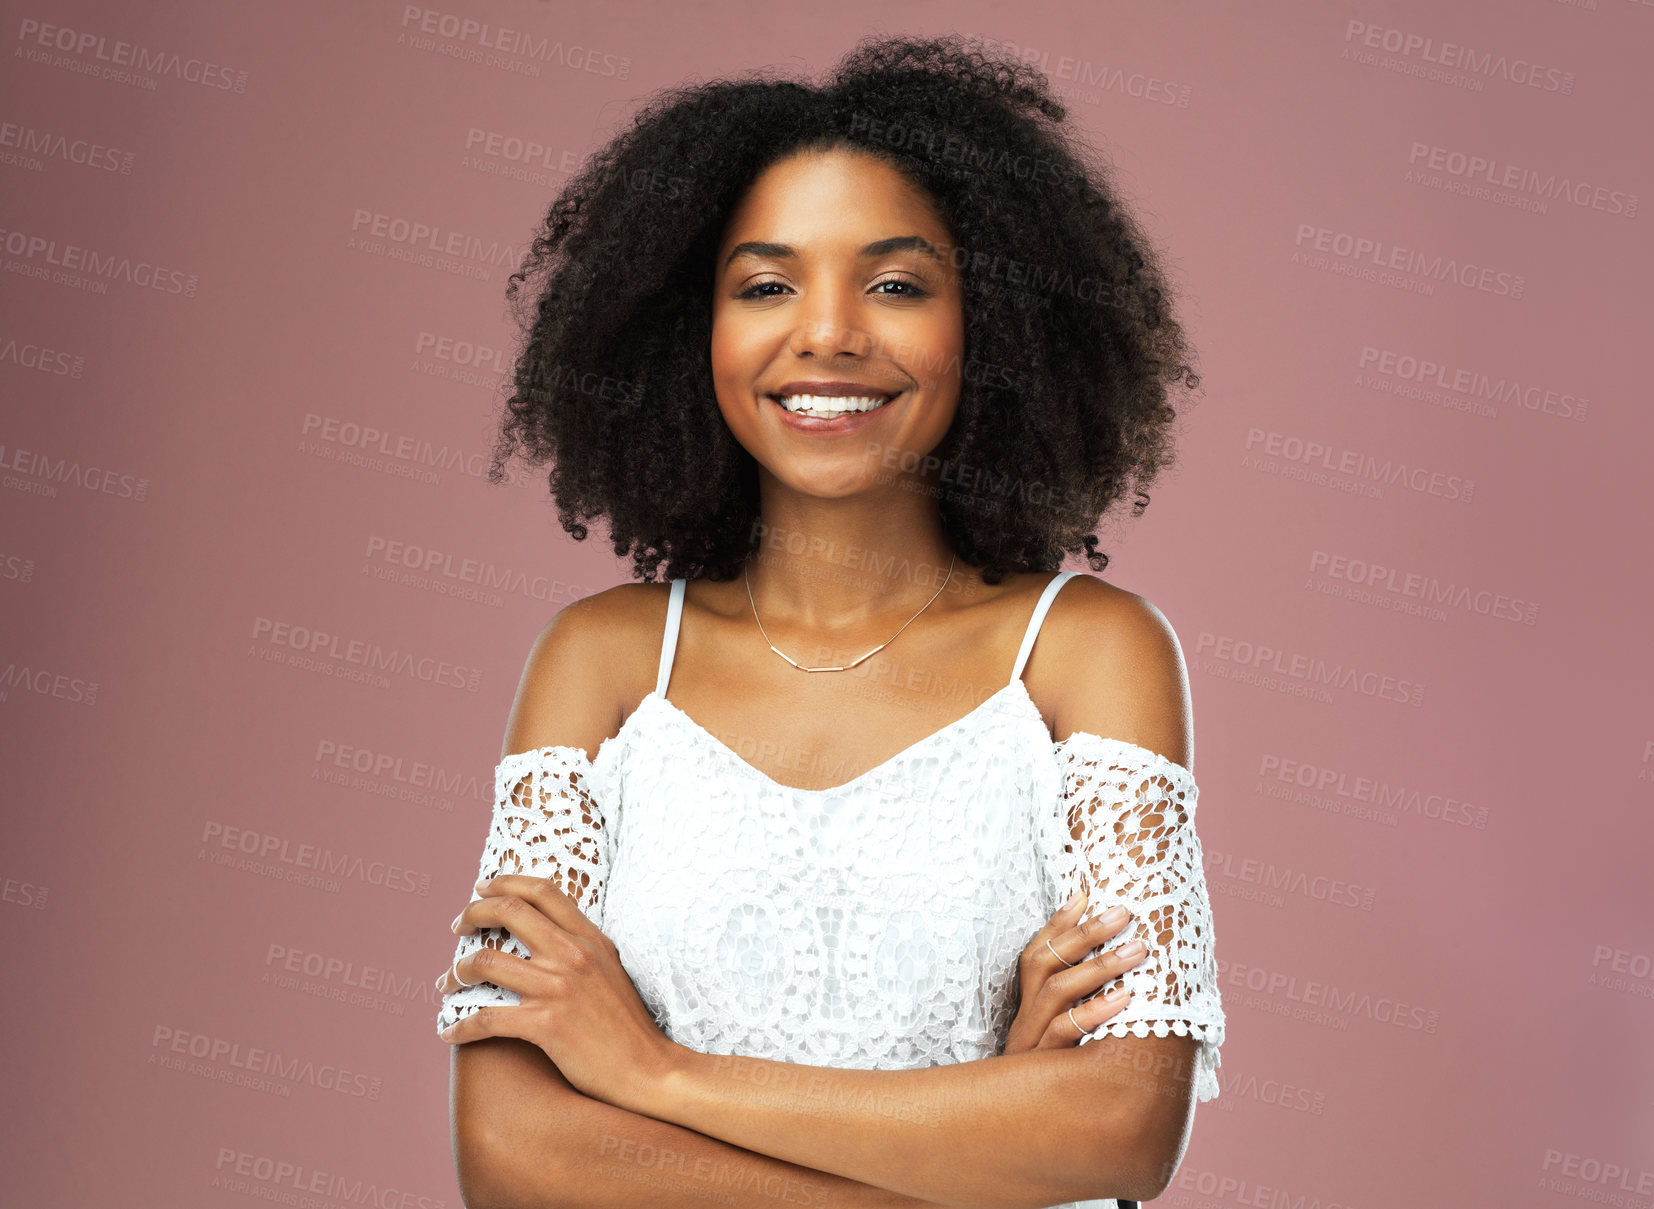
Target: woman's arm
521, 1134
1108, 1119
942, 1125
606, 1152
523, 1137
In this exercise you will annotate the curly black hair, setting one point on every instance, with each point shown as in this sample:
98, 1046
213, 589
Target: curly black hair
1073, 351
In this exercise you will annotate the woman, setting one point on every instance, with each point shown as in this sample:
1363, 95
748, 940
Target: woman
857, 365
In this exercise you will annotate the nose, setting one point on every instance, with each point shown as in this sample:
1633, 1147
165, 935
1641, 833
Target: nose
826, 325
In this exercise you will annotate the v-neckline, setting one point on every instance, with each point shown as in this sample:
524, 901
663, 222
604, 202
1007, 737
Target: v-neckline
1017, 686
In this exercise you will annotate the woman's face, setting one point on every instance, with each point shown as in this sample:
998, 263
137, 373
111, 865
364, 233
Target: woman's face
833, 270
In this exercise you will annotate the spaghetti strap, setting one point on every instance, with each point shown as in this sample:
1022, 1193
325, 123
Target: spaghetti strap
1034, 622
669, 640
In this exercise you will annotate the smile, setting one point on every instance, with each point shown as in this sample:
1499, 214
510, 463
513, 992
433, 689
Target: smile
830, 407
829, 415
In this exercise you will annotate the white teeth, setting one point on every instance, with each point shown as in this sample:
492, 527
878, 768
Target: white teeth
821, 406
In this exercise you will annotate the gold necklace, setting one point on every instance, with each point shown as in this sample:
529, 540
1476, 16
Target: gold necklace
846, 667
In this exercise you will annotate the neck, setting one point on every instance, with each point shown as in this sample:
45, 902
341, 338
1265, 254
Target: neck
840, 564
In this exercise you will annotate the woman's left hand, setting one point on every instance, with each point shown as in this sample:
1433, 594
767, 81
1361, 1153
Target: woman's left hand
578, 1004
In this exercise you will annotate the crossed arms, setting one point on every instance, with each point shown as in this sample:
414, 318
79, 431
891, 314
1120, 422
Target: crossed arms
1107, 1119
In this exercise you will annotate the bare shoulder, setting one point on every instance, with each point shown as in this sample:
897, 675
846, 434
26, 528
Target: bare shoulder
582, 671
1113, 666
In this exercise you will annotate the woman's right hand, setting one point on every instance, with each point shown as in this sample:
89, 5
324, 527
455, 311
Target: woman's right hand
1049, 988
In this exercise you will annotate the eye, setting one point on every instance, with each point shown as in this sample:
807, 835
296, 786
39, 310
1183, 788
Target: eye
913, 288
752, 290
909, 289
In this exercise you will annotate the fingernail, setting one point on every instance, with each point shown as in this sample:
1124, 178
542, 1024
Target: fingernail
1115, 994
1115, 915
481, 882
454, 927
1134, 949
1074, 898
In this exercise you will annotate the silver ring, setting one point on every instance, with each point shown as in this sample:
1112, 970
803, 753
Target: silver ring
454, 970
1075, 1022
1058, 955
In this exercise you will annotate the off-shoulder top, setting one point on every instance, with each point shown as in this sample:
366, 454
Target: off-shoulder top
876, 924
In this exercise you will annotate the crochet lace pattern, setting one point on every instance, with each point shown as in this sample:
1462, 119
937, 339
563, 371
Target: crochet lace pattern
876, 927
1128, 820
545, 823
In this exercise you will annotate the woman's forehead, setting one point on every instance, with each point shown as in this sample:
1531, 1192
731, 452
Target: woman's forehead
838, 203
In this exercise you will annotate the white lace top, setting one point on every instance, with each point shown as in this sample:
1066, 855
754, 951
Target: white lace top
876, 924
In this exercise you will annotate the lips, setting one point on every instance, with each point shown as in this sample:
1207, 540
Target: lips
837, 388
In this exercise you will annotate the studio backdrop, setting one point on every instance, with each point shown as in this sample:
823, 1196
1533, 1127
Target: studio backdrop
264, 614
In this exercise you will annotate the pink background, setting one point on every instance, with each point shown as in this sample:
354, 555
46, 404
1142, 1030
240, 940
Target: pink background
1496, 890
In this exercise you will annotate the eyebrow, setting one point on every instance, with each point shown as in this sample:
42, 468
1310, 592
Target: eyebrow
879, 247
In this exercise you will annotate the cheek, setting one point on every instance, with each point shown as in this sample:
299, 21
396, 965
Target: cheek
728, 368
736, 365
721, 346
940, 366
737, 350
934, 349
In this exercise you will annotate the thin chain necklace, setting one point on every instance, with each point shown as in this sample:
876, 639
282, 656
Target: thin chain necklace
845, 667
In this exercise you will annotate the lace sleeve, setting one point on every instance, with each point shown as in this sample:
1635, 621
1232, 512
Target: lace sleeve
1126, 822
547, 822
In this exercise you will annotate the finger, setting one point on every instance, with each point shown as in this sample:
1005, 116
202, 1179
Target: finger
1047, 955
1089, 934
1043, 954
524, 920
544, 893
487, 964
453, 978
493, 1021
1077, 942
1096, 971
1065, 916
1091, 1014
